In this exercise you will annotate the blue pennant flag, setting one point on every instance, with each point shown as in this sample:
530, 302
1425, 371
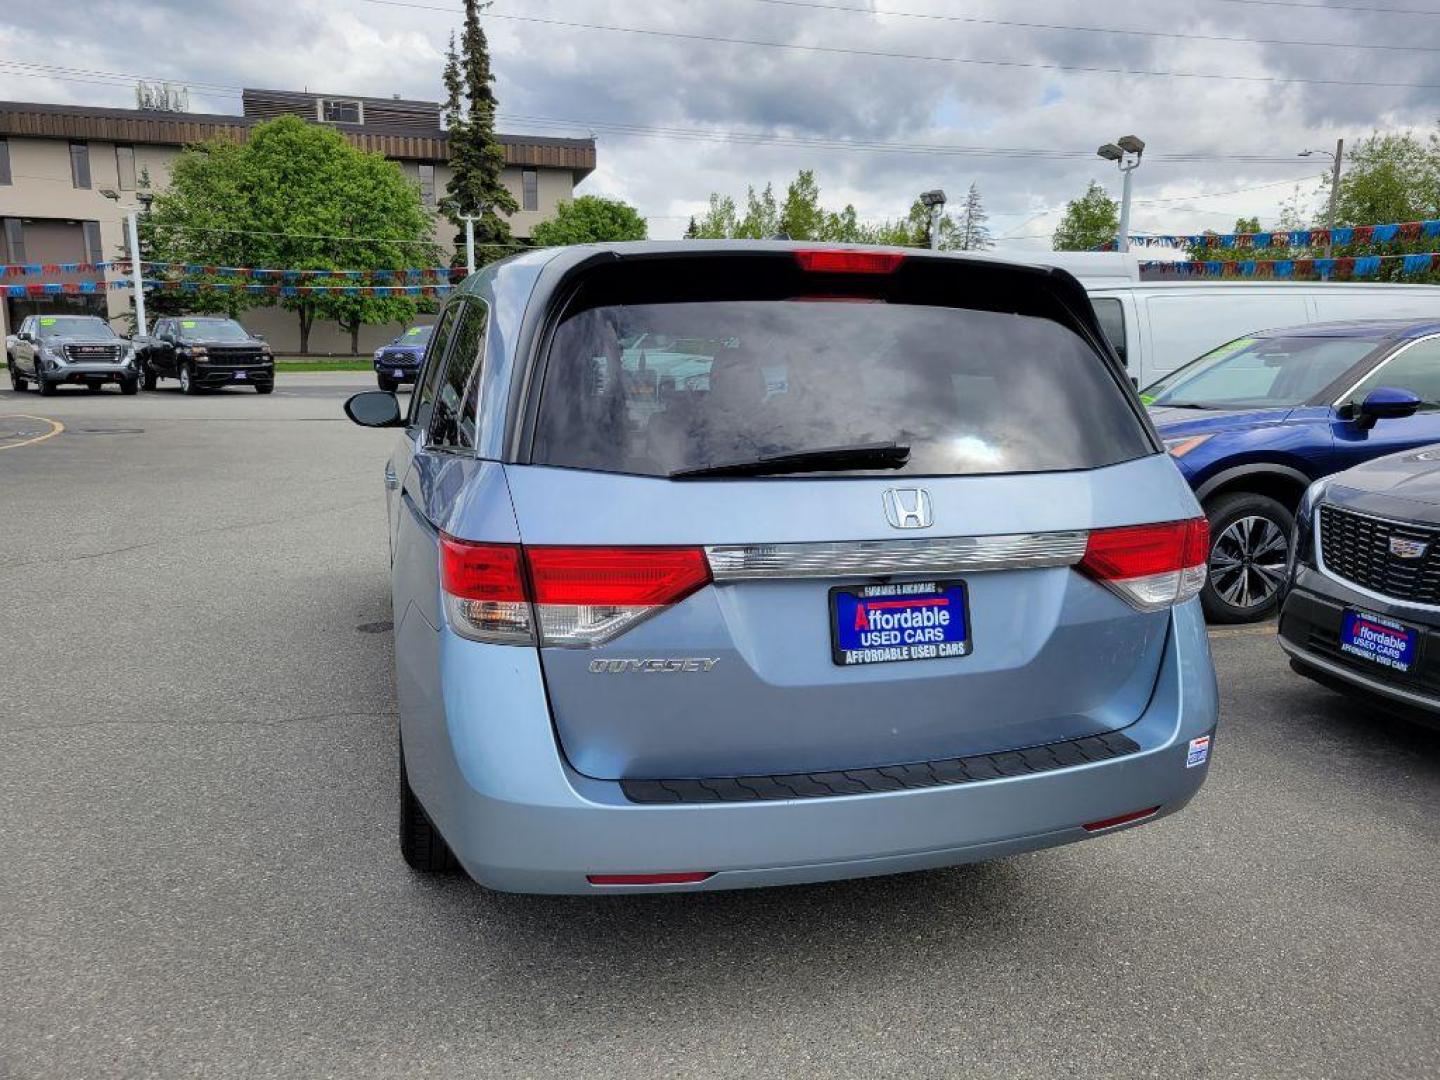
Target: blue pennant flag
1368, 266
1284, 268
1343, 235
1416, 264
1325, 267
1383, 234
1300, 238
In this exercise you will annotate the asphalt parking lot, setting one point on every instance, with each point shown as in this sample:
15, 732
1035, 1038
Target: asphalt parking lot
199, 875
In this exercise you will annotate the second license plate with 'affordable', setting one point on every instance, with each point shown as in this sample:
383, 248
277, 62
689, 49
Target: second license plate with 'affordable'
1378, 639
915, 620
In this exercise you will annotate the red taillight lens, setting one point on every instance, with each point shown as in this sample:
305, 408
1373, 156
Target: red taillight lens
616, 577
576, 595
481, 571
1150, 566
484, 591
1123, 819
690, 878
850, 262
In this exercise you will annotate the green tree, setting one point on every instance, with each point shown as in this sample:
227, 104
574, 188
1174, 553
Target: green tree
1247, 225
970, 233
590, 219
297, 196
1089, 222
801, 216
1387, 178
719, 222
477, 160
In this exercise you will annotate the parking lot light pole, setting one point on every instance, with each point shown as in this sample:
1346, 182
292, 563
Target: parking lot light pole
1126, 153
469, 245
137, 277
934, 201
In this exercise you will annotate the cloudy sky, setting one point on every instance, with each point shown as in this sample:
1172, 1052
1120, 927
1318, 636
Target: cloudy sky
668, 85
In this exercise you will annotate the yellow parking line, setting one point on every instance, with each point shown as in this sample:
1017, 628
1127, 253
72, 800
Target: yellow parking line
56, 427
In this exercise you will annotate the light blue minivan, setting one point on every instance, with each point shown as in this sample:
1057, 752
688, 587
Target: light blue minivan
729, 564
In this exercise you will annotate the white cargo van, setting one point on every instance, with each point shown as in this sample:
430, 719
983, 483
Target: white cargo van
1158, 325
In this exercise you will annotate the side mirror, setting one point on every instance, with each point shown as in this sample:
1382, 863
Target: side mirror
23, 337
1386, 403
374, 408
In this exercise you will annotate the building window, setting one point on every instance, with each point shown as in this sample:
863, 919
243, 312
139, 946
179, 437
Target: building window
337, 111
14, 240
427, 184
80, 164
4, 161
125, 167
529, 189
93, 251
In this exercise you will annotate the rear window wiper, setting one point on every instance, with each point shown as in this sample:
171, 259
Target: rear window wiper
865, 456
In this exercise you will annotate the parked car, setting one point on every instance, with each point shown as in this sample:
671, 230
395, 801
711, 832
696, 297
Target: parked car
1158, 326
1362, 600
898, 584
205, 353
399, 360
49, 350
1254, 422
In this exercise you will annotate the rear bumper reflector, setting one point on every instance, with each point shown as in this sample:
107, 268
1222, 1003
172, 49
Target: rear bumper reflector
1034, 759
932, 555
1123, 819
690, 878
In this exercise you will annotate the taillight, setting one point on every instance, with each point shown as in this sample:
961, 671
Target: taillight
573, 596
485, 594
849, 262
1150, 566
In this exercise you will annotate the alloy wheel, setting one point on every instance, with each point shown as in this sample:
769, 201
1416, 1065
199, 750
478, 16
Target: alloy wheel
1247, 561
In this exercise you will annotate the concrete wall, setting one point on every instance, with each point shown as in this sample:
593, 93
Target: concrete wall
42, 189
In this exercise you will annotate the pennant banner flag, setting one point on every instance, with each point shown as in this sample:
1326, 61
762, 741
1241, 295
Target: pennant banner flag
438, 274
1293, 238
1347, 267
277, 289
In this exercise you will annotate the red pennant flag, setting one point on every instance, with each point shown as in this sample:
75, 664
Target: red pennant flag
1364, 234
1410, 230
1344, 266
1304, 267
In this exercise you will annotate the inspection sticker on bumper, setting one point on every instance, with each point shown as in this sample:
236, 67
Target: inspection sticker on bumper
916, 620
1378, 639
1199, 752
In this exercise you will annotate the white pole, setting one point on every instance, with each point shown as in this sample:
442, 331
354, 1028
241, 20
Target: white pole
936, 212
469, 245
136, 277
1124, 244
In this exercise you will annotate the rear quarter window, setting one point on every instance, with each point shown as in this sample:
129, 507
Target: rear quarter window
657, 388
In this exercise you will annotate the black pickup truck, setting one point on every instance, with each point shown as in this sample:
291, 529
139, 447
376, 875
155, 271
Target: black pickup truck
204, 353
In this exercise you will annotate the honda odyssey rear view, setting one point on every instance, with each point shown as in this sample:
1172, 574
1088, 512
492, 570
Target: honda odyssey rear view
718, 565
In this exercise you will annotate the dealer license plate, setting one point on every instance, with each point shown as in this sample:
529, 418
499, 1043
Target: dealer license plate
397, 373
916, 620
1378, 639
240, 375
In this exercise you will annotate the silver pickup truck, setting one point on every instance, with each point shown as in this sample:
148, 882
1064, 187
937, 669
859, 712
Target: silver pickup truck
49, 350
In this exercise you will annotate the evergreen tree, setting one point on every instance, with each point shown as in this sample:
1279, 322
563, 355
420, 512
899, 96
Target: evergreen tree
972, 233
477, 159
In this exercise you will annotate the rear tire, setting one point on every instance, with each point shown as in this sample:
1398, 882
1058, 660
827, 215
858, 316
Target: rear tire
17, 381
421, 844
1249, 545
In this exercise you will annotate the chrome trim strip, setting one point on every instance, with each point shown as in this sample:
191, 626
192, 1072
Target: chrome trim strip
1345, 674
1344, 399
933, 555
1354, 586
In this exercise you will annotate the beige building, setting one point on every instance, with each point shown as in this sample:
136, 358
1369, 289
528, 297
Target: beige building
55, 160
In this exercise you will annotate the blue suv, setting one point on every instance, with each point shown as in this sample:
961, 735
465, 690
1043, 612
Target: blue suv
1252, 423
398, 361
724, 564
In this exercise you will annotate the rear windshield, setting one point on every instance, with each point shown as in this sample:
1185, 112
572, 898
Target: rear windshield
655, 389
1260, 372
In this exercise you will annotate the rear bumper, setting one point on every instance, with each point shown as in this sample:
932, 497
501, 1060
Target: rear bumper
482, 757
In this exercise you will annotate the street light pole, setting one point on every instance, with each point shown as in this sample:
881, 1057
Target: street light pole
469, 245
934, 202
137, 281
1126, 153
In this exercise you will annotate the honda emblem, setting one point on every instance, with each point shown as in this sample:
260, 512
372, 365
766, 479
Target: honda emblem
908, 508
